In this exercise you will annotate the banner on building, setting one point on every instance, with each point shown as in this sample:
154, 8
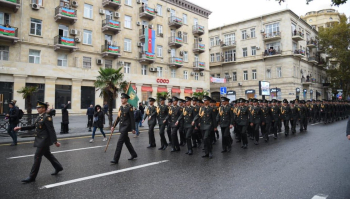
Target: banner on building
114, 24
7, 31
217, 80
150, 40
67, 41
68, 12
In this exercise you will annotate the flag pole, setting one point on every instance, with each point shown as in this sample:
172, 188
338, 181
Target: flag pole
127, 88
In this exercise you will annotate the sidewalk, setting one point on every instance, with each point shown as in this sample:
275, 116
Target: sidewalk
77, 128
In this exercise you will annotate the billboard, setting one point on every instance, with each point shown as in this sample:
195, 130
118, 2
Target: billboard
264, 88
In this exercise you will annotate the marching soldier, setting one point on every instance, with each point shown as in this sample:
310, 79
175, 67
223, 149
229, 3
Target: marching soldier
285, 115
316, 110
236, 132
213, 138
151, 114
45, 136
242, 122
225, 119
195, 136
127, 123
181, 125
294, 116
173, 118
279, 105
168, 130
275, 117
162, 113
255, 120
303, 116
265, 120
187, 116
250, 128
323, 111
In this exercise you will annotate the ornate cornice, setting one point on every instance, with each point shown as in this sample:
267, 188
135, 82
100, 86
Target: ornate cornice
191, 7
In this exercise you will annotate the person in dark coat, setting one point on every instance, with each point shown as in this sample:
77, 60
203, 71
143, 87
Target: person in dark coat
142, 111
13, 116
105, 109
99, 121
65, 118
348, 129
90, 113
138, 118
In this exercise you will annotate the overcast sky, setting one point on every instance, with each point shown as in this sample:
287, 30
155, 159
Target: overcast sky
229, 11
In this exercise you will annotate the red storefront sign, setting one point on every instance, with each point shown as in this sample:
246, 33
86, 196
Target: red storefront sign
163, 81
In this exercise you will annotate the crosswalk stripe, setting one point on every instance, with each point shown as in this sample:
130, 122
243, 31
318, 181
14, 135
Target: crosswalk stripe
319, 196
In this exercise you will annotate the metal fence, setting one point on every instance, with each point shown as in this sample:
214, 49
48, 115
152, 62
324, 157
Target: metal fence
27, 120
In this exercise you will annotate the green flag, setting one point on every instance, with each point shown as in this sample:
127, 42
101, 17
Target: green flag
133, 100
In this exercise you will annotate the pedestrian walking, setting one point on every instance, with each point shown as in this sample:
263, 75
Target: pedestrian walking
65, 118
138, 118
45, 136
142, 111
99, 121
105, 108
13, 117
90, 113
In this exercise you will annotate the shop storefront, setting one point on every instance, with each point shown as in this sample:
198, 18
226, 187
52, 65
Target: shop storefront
250, 93
146, 92
6, 95
63, 94
188, 92
275, 93
231, 95
87, 96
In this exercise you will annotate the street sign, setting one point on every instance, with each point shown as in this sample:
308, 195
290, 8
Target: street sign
223, 90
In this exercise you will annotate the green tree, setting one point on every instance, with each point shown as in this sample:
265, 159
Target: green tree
200, 95
27, 93
334, 2
336, 42
110, 81
166, 95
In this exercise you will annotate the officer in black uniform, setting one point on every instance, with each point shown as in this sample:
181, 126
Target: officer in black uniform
242, 122
213, 132
294, 116
316, 110
168, 130
255, 120
266, 120
303, 113
127, 123
151, 113
225, 119
45, 136
181, 125
195, 136
323, 111
285, 116
187, 116
162, 113
173, 116
276, 111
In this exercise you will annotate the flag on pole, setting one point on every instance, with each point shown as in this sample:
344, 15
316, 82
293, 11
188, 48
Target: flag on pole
150, 40
68, 12
133, 100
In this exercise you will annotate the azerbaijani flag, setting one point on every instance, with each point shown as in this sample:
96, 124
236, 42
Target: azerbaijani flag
68, 12
14, 1
113, 49
114, 24
201, 64
201, 28
178, 20
150, 10
150, 40
67, 41
201, 46
7, 31
116, 1
178, 60
149, 55
178, 40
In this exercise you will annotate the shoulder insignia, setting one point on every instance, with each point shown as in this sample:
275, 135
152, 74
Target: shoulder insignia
49, 118
131, 109
214, 110
231, 109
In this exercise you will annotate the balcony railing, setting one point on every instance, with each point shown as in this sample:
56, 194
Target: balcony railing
228, 44
299, 52
115, 4
197, 65
175, 22
311, 43
65, 43
110, 25
175, 62
297, 35
147, 12
321, 61
66, 14
142, 34
146, 57
12, 4
312, 60
198, 48
9, 33
175, 41
272, 35
271, 52
198, 30
110, 50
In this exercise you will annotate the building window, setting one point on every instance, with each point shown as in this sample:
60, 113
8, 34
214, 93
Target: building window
212, 75
127, 67
39, 95
217, 41
245, 52
128, 2
160, 71
212, 57
273, 48
245, 75
159, 29
218, 59
196, 76
4, 18
62, 60
86, 62
63, 94
230, 55
253, 50
88, 11
253, 74
272, 29
268, 73
185, 74
173, 73
211, 42
227, 77
34, 56
4, 53
184, 18
144, 70
87, 96
244, 34
159, 51
218, 75
108, 63
234, 76
185, 38
229, 39
87, 37
159, 10
185, 56
127, 45
35, 27
127, 21
252, 33
279, 72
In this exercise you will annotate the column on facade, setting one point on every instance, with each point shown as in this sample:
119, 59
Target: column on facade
76, 95
182, 93
50, 83
139, 91
155, 90
19, 82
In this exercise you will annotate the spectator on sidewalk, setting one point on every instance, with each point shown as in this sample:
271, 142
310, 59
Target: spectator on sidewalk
138, 119
99, 121
142, 111
65, 119
50, 111
105, 108
90, 114
13, 116
348, 129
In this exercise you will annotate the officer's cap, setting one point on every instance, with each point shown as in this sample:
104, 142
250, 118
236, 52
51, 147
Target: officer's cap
195, 99
175, 99
161, 98
170, 100
225, 99
292, 101
254, 100
151, 99
285, 101
200, 101
124, 95
274, 101
206, 98
41, 104
188, 99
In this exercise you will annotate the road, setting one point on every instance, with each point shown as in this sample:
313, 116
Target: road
296, 167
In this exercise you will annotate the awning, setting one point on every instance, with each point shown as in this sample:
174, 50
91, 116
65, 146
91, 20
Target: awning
188, 90
199, 90
175, 90
146, 89
134, 87
162, 89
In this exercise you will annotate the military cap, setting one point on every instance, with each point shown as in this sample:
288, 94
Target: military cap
195, 99
264, 101
200, 101
151, 99
170, 100
212, 101
161, 99
253, 100
292, 101
274, 101
40, 104
225, 99
302, 101
206, 98
260, 101
285, 101
124, 95
175, 99
250, 100
241, 100
183, 101
308, 101
188, 99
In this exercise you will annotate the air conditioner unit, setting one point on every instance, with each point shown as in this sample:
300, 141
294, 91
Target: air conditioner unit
150, 26
74, 3
35, 6
77, 39
138, 23
247, 36
99, 61
258, 48
181, 53
139, 44
102, 12
200, 39
153, 69
262, 31
161, 34
192, 73
138, 1
74, 32
201, 73
116, 15
169, 51
239, 84
168, 9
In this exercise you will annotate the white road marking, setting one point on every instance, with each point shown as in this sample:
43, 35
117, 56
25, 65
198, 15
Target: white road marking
314, 124
24, 156
101, 175
319, 196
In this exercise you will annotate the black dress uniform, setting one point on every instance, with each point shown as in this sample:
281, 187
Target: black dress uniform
173, 116
126, 122
303, 116
266, 119
168, 123
275, 118
45, 136
181, 126
242, 122
294, 117
187, 116
213, 132
151, 114
316, 110
323, 112
255, 119
285, 116
162, 113
196, 132
225, 119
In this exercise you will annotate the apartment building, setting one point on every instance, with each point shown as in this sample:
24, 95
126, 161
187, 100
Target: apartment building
59, 45
322, 18
277, 47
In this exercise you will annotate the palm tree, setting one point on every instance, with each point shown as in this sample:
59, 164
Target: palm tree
162, 94
200, 95
27, 93
110, 82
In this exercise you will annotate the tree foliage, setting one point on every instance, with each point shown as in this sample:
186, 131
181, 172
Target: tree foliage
334, 2
200, 95
27, 93
162, 94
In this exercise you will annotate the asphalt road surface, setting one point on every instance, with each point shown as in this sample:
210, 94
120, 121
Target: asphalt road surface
316, 162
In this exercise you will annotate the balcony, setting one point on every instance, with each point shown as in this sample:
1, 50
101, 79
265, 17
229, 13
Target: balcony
111, 26
228, 44
297, 35
142, 35
115, 4
198, 30
299, 53
110, 51
321, 61
9, 34
12, 4
146, 57
65, 43
175, 42
65, 14
307, 81
270, 36
175, 22
271, 53
176, 62
147, 12
312, 60
198, 66
198, 48
311, 43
